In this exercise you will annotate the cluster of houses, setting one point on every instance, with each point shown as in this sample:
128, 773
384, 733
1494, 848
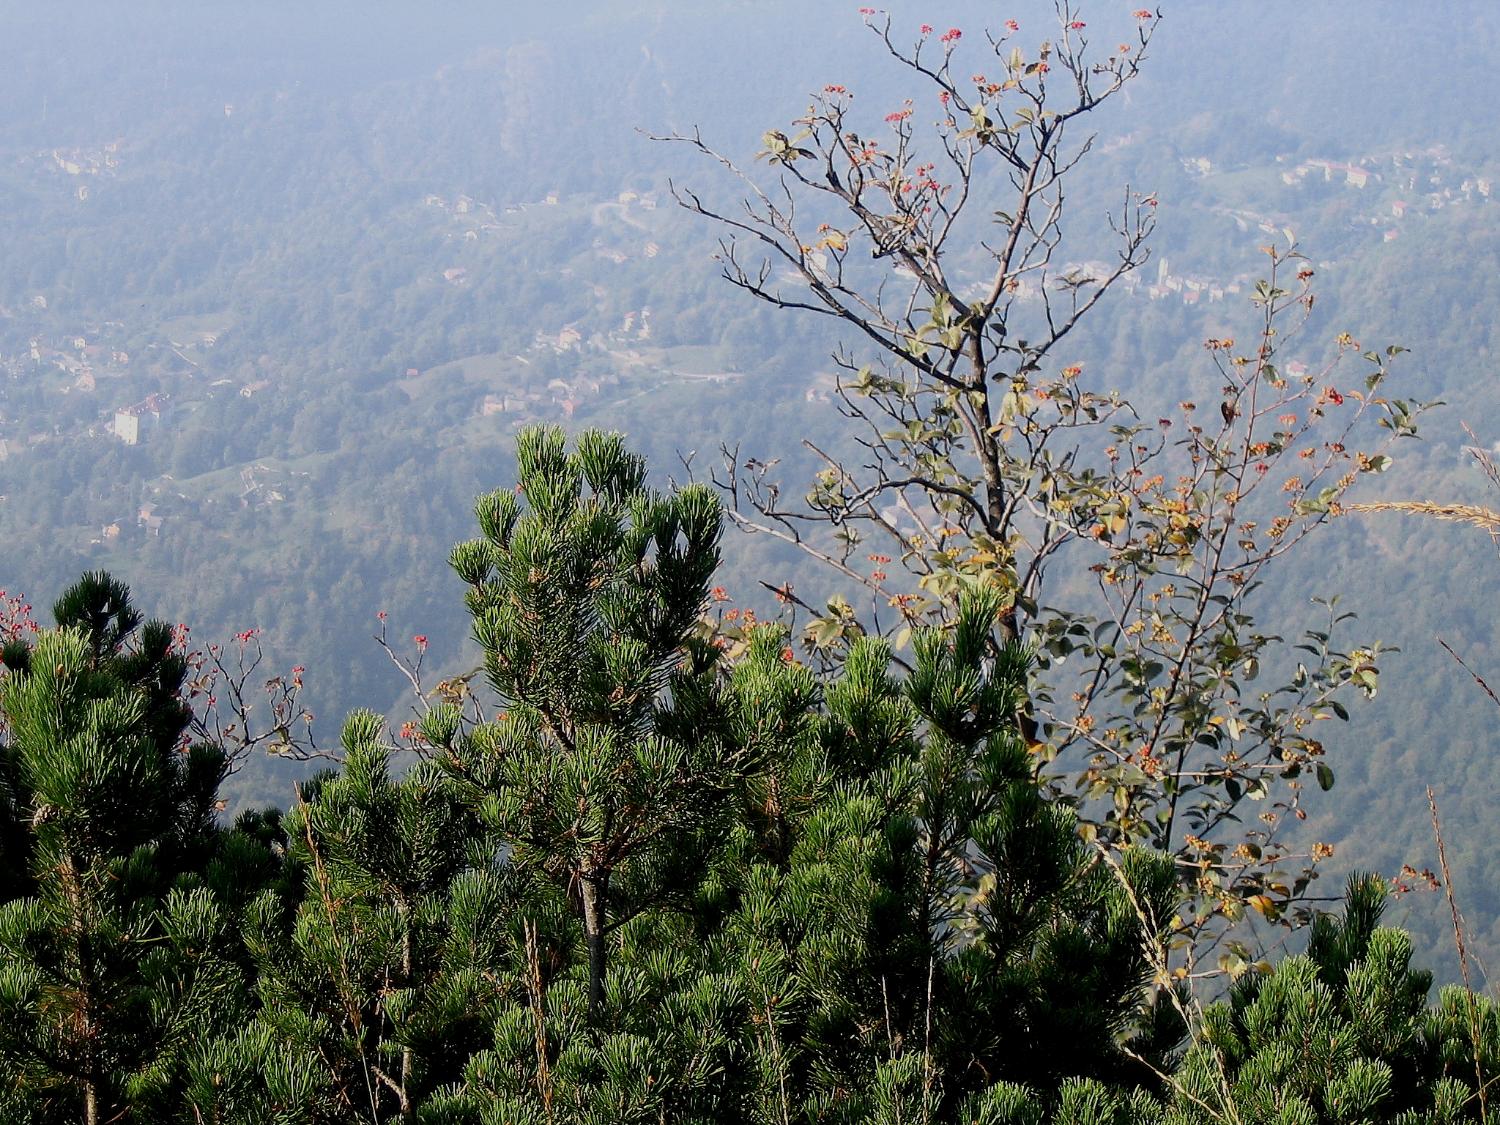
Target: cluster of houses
95, 362
261, 486
1191, 289
69, 364
1160, 285
147, 519
525, 400
80, 163
1354, 175
82, 362
474, 219
1428, 180
559, 396
99, 160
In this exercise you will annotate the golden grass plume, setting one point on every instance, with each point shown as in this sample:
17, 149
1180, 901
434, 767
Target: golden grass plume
1486, 518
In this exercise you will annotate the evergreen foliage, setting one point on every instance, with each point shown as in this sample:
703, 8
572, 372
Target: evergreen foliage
676, 877
1342, 1034
936, 923
114, 955
382, 973
605, 769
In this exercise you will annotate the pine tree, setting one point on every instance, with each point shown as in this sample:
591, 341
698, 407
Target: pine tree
923, 922
841, 901
1342, 1034
607, 775
111, 951
375, 989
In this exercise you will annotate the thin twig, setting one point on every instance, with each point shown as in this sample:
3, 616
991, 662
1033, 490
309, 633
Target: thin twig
1478, 679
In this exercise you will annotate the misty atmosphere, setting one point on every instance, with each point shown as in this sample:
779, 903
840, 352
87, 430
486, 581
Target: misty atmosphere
1026, 655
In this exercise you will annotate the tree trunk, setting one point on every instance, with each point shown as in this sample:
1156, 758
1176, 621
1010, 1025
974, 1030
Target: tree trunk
595, 890
406, 982
83, 956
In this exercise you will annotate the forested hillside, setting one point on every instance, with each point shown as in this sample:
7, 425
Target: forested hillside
281, 287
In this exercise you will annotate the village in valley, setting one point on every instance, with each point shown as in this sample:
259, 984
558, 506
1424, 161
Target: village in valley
109, 381
1395, 189
113, 382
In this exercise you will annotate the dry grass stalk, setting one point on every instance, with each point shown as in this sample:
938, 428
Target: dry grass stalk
1486, 518
1463, 955
1485, 462
1191, 1009
537, 996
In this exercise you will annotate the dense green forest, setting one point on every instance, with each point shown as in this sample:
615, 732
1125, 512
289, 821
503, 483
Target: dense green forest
669, 881
281, 288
